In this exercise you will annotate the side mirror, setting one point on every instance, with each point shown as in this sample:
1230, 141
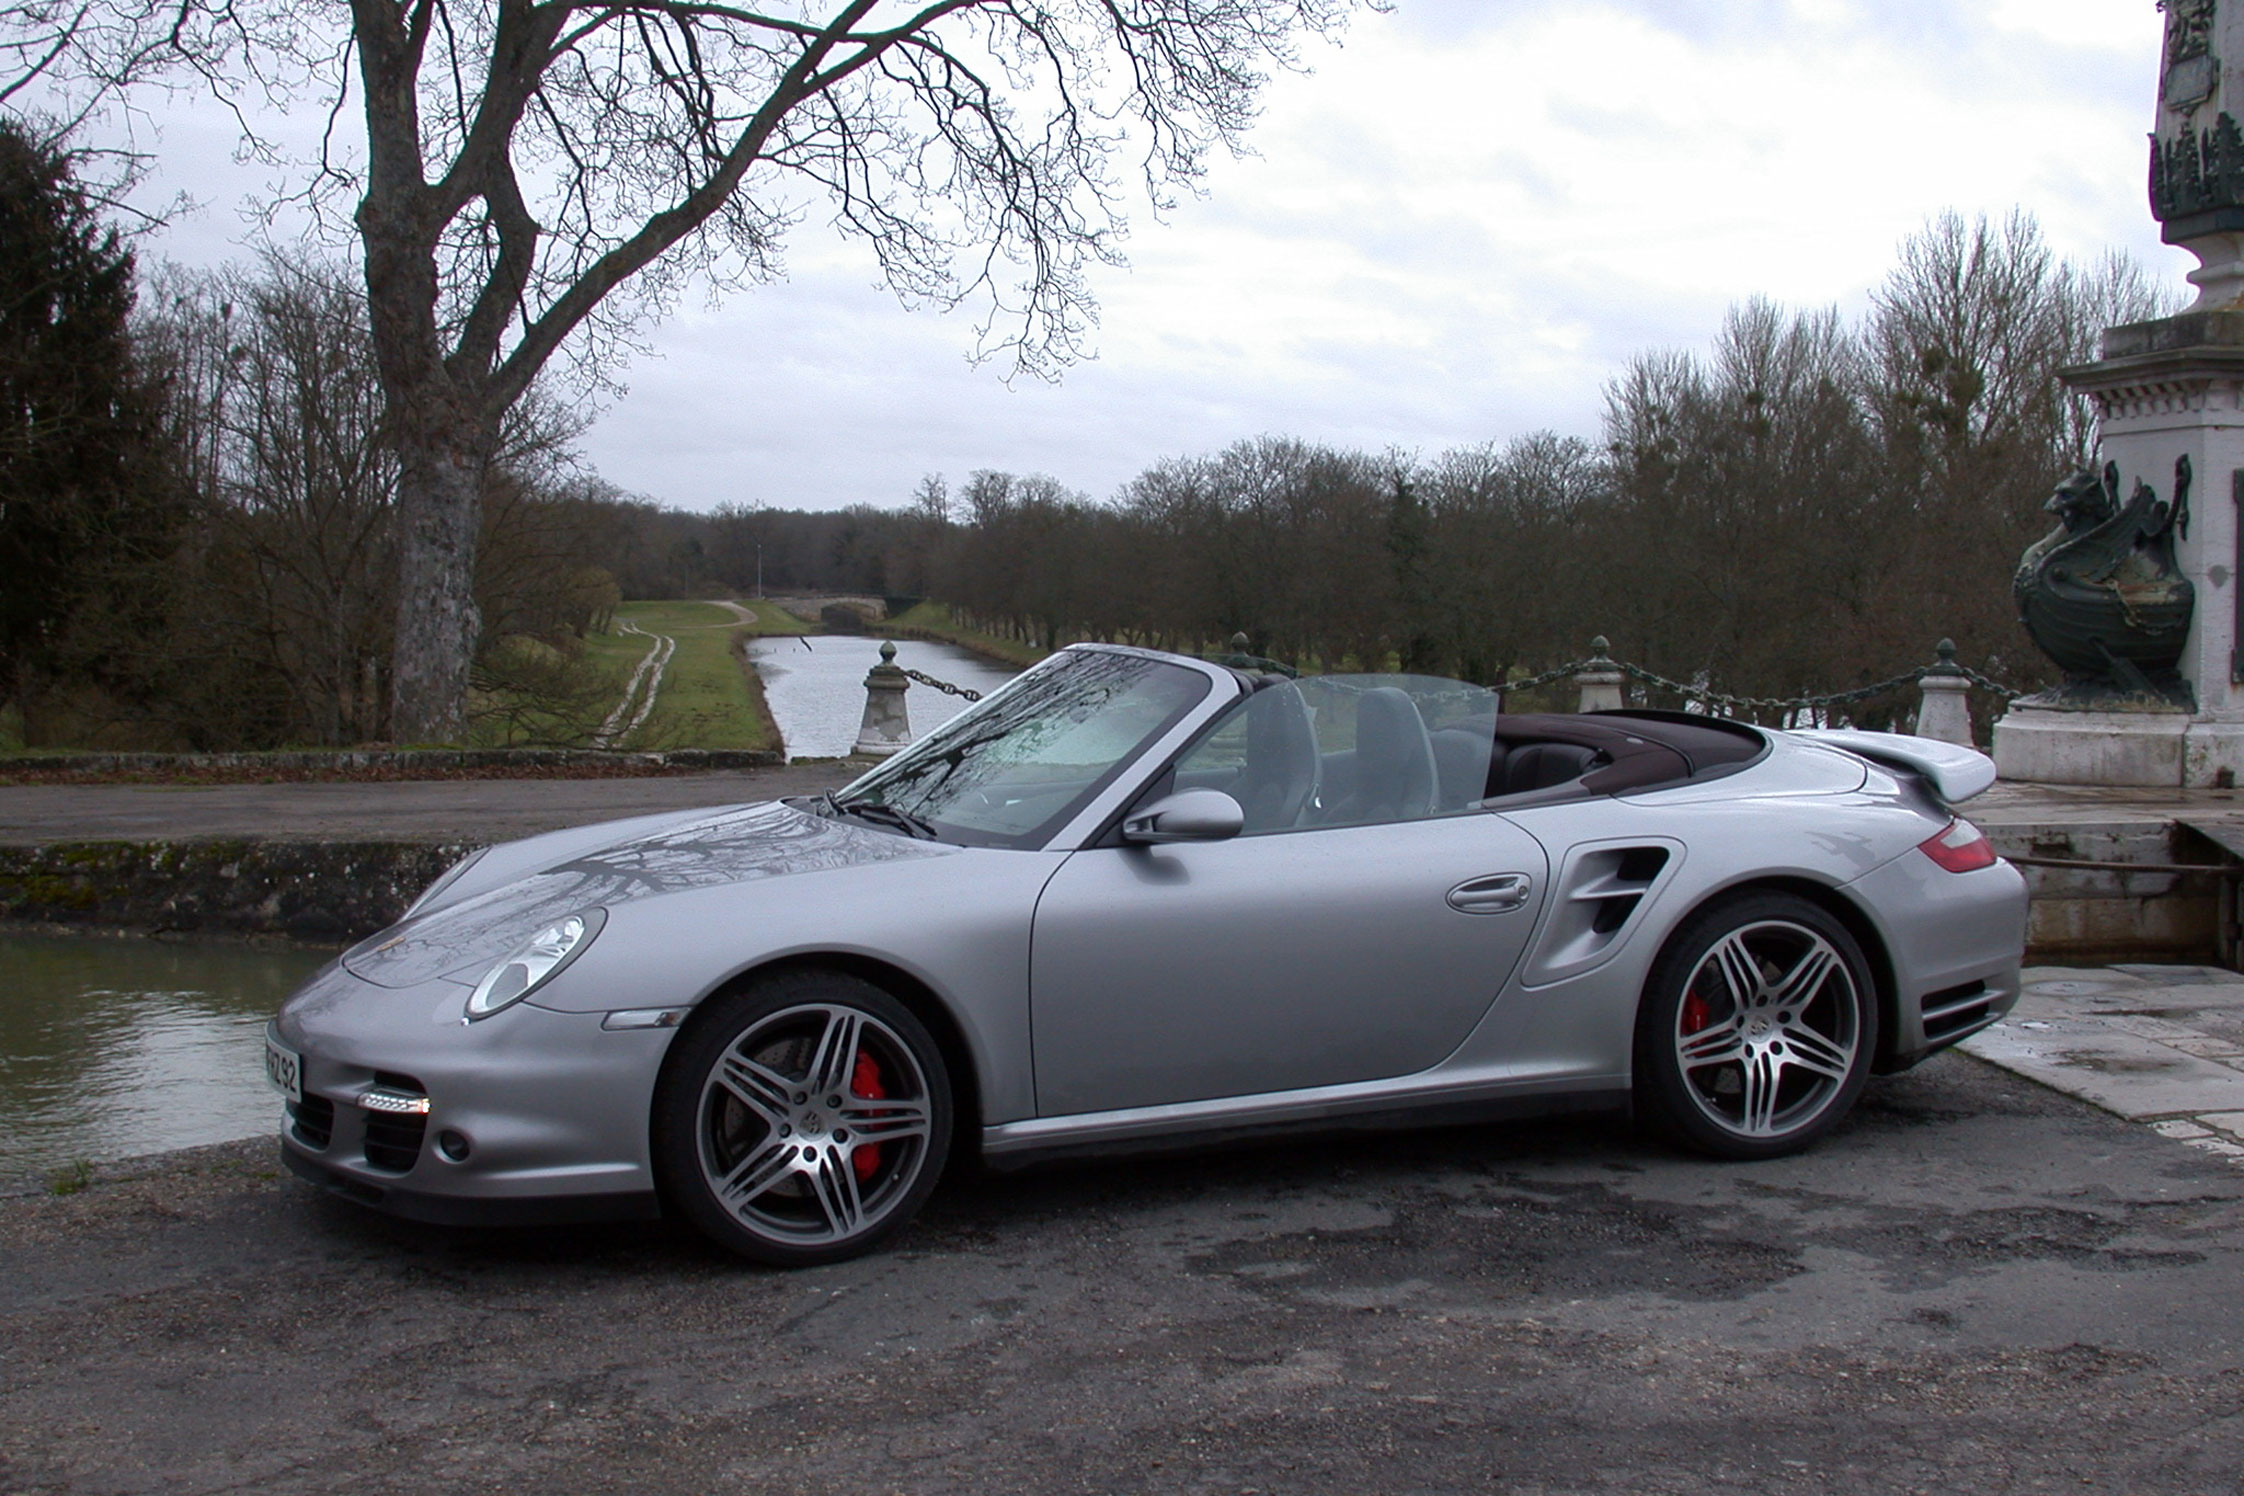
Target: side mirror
1190, 815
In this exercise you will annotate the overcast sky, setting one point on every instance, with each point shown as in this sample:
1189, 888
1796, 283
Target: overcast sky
1455, 230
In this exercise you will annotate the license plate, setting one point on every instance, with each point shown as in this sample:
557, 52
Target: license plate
285, 1069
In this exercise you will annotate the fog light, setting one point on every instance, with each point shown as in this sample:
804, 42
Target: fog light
453, 1145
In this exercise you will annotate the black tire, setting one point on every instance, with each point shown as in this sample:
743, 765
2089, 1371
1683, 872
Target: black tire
779, 1169
1757, 1029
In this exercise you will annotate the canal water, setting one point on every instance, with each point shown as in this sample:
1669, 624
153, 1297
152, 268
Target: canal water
816, 687
111, 1048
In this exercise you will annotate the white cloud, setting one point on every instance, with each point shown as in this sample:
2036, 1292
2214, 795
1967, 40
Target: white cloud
2077, 23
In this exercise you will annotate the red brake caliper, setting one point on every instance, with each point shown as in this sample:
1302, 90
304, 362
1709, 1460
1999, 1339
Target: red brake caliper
1696, 1014
865, 1084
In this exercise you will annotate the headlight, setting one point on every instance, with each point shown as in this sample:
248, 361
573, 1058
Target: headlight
451, 876
534, 963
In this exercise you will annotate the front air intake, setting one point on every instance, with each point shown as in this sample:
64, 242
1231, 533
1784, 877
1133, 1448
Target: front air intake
312, 1120
397, 1120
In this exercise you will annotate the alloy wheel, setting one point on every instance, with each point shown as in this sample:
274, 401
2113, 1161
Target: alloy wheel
814, 1125
1769, 1030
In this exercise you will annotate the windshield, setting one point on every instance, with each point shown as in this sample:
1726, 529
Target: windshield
1013, 768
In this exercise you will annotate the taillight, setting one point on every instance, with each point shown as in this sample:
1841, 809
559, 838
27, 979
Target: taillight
1962, 848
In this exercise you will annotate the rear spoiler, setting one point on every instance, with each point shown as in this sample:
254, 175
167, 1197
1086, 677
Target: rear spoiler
1955, 773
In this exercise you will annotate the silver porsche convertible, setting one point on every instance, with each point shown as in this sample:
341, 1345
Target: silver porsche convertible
1138, 899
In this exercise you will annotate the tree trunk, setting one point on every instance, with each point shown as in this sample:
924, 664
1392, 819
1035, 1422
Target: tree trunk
439, 512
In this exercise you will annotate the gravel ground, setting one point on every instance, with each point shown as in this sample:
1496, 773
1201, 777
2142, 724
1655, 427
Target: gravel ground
1979, 1286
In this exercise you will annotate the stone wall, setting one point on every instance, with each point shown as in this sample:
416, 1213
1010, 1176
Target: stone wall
341, 891
315, 891
2092, 916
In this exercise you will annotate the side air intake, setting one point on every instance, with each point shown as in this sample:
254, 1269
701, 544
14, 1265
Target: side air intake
1599, 893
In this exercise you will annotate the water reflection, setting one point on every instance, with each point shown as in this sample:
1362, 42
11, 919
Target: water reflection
110, 1048
816, 687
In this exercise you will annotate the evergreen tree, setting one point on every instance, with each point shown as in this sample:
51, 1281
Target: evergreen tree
79, 495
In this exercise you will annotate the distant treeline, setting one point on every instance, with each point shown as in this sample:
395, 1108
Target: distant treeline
1808, 507
198, 533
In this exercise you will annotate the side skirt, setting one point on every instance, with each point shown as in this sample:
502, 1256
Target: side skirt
1204, 1124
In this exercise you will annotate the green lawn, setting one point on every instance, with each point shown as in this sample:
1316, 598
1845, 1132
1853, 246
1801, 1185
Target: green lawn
934, 621
772, 618
708, 697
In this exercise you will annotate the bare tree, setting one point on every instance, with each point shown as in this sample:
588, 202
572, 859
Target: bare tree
541, 172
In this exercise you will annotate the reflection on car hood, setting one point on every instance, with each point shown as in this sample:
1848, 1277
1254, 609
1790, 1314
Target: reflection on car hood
759, 841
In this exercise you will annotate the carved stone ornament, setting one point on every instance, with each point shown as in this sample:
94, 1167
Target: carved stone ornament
2102, 595
2190, 71
2198, 173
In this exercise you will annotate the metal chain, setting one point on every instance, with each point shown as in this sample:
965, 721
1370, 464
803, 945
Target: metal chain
1574, 668
1770, 703
1730, 703
1721, 699
1985, 684
943, 686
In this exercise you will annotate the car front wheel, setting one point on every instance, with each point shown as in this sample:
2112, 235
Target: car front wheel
1757, 1028
804, 1121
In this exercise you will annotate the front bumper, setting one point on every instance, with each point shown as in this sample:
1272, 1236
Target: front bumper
471, 1210
531, 1115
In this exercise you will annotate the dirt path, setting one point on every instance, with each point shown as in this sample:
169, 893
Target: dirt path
745, 615
644, 686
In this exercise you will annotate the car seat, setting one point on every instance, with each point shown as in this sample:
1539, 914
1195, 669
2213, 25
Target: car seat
1395, 774
1281, 769
1470, 763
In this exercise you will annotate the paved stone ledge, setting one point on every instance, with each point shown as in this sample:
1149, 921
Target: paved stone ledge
2160, 1045
320, 862
396, 763
429, 810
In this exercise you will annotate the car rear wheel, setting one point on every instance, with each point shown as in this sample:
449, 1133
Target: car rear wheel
1757, 1028
803, 1121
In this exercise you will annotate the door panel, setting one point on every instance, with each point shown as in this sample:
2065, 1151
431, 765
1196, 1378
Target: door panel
1269, 963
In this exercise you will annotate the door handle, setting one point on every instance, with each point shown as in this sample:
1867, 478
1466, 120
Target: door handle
1499, 894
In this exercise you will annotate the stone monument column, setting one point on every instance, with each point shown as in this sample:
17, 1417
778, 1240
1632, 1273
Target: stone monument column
2159, 535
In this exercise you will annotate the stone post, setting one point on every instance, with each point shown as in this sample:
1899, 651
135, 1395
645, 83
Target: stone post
888, 727
1944, 710
1601, 680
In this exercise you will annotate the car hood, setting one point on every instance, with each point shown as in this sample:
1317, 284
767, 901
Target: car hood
464, 939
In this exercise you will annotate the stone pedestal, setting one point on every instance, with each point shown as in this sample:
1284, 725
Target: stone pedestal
887, 727
2055, 747
2164, 389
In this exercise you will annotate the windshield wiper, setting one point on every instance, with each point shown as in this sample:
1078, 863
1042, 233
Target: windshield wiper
885, 815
